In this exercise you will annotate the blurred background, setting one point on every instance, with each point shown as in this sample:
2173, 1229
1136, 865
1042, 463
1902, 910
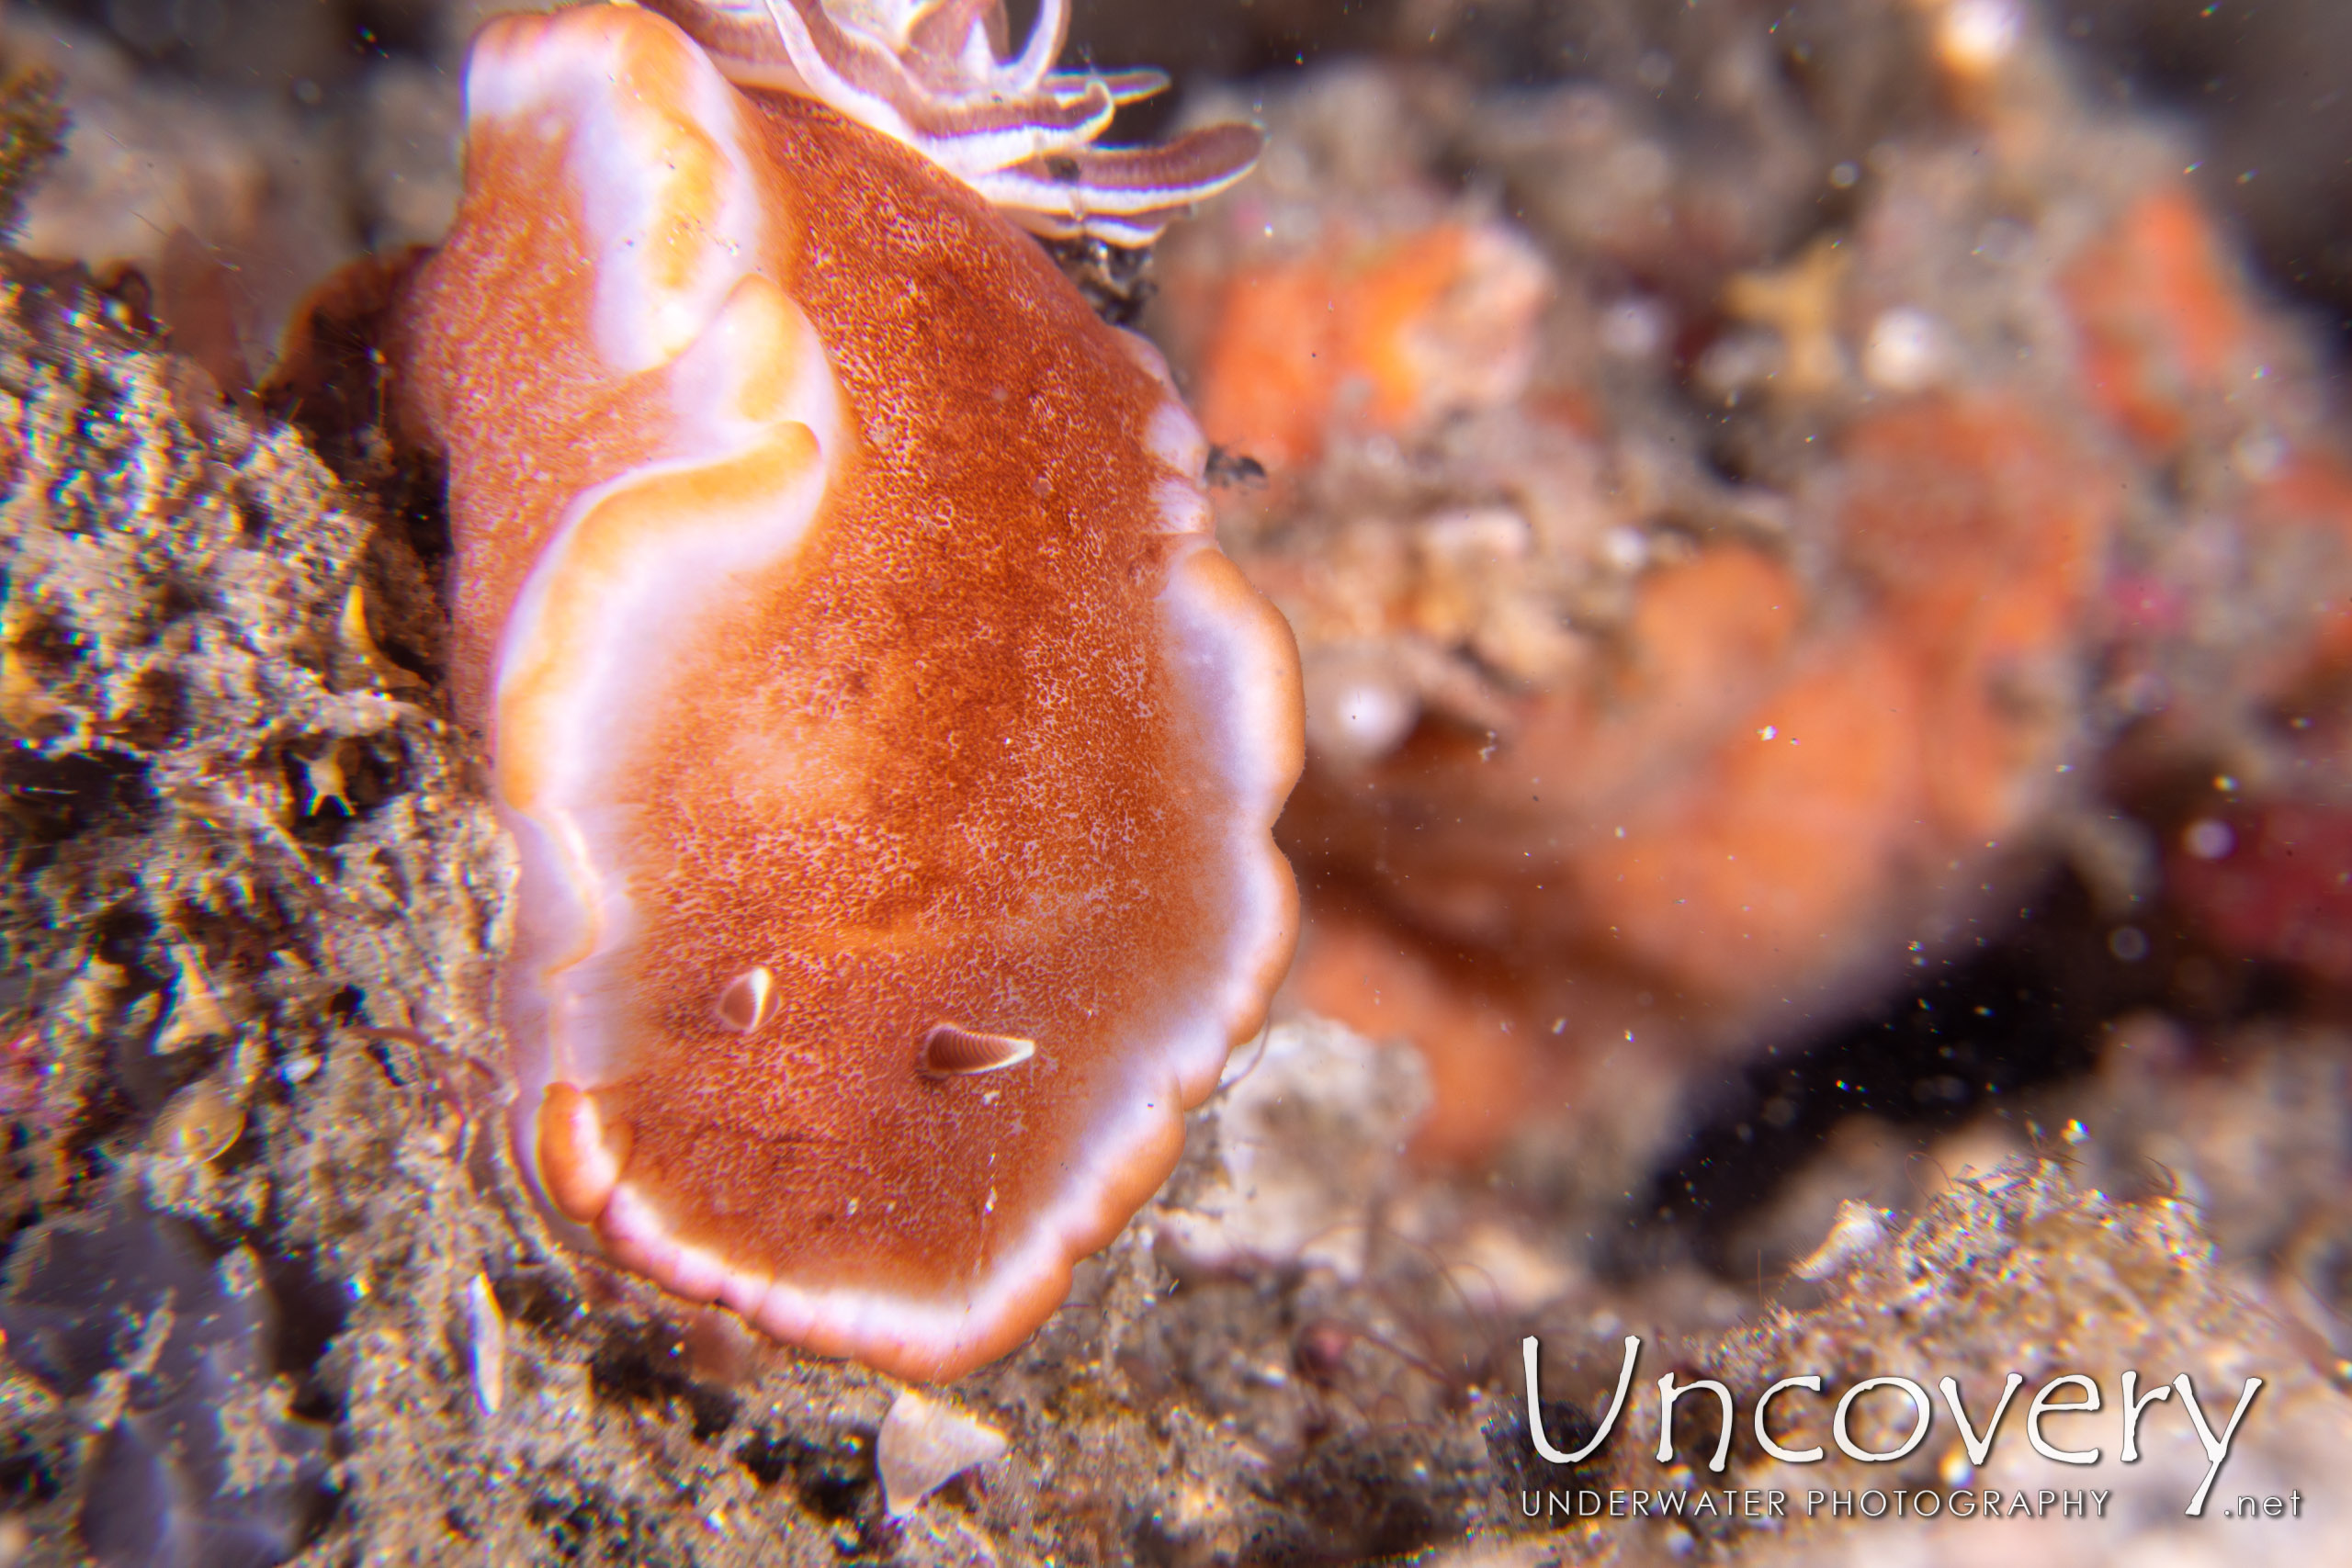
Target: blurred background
2257, 87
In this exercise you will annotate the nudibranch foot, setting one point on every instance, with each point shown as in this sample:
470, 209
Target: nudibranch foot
931, 74
862, 973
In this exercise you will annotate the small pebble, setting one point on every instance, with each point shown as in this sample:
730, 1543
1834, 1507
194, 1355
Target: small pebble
926, 1443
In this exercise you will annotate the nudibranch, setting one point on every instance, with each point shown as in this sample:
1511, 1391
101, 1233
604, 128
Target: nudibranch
892, 755
928, 72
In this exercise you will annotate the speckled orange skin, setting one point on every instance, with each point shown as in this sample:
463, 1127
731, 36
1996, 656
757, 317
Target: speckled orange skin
964, 756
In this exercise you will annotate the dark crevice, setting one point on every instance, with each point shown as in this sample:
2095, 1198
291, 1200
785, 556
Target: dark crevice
642, 1362
1974, 1032
834, 1479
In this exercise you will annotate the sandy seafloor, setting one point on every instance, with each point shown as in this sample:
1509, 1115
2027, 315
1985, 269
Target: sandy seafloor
1886, 465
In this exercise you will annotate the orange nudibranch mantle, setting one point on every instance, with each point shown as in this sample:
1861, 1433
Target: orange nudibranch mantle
891, 755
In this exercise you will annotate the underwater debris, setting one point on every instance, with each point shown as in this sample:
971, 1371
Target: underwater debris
485, 1345
1305, 1142
925, 1443
1854, 1233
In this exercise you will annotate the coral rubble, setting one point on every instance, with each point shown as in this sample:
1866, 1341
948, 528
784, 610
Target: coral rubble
2017, 1270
